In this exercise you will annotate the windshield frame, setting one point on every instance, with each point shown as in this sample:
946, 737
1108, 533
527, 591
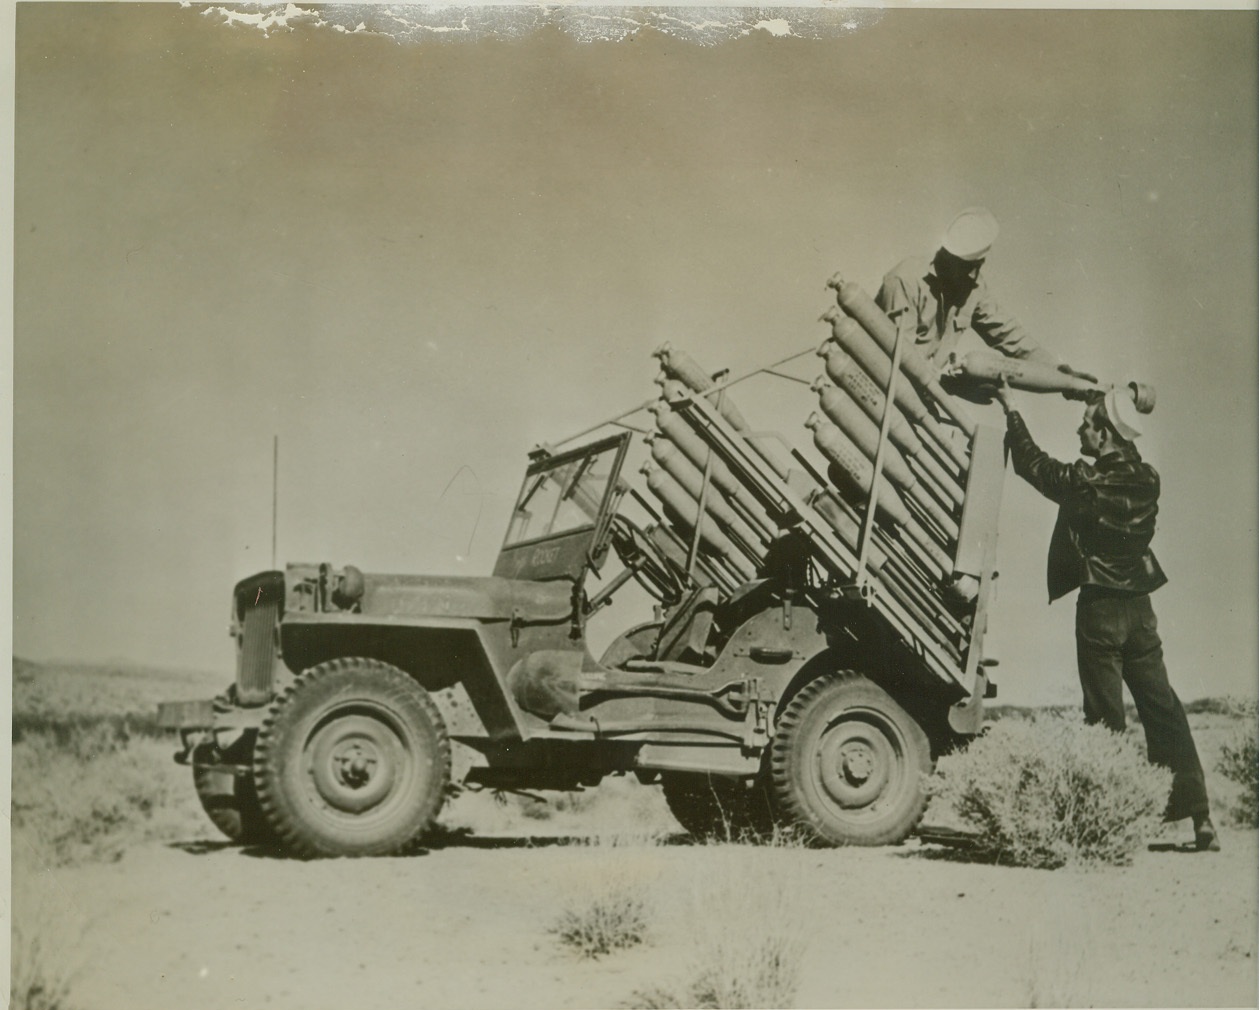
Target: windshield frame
543, 467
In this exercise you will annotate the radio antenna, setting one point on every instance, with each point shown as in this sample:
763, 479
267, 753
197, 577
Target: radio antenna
275, 481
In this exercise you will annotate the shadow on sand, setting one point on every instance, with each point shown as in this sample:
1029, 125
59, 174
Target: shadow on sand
959, 849
948, 852
1173, 847
437, 838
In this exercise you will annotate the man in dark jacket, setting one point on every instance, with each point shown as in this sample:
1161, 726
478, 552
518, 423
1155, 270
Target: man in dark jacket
1101, 544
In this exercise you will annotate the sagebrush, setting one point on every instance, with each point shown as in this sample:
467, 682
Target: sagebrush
45, 936
1240, 763
613, 918
611, 891
1050, 791
89, 790
745, 909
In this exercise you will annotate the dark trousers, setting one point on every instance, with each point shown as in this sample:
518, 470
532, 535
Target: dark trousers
1117, 642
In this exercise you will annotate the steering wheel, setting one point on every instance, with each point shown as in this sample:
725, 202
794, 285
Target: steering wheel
651, 568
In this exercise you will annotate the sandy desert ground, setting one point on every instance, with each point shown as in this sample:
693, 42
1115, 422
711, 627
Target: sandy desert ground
188, 920
204, 925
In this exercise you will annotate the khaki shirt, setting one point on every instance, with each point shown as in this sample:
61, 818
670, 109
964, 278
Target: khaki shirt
911, 296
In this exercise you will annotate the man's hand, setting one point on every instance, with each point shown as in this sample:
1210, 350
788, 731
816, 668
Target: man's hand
1005, 396
1078, 394
1067, 369
966, 388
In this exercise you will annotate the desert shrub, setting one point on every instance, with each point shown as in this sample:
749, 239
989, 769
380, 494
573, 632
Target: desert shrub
612, 919
1050, 791
611, 887
88, 734
744, 911
1239, 763
87, 793
44, 936
1229, 705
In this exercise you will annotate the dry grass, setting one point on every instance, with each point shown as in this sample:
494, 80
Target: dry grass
92, 773
1051, 792
743, 910
88, 796
613, 917
61, 691
1239, 762
735, 922
46, 933
611, 897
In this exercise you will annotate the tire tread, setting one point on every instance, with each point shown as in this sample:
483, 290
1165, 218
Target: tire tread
792, 805
395, 685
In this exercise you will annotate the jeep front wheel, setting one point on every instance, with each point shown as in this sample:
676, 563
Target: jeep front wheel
352, 760
848, 763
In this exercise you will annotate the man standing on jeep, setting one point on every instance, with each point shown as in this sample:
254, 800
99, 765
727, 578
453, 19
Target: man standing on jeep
1101, 544
935, 302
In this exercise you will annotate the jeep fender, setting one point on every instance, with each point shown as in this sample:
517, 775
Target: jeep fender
449, 657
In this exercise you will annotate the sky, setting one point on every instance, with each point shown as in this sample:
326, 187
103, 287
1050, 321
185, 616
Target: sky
412, 257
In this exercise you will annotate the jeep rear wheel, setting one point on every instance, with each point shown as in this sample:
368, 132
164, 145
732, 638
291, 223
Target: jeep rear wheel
848, 763
352, 760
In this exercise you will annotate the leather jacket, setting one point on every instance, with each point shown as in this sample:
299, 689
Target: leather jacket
1107, 511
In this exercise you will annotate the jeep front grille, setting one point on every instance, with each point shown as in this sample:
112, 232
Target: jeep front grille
256, 656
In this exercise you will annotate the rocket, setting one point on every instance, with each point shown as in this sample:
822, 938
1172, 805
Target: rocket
680, 366
693, 447
864, 433
854, 473
673, 462
676, 500
850, 337
870, 317
849, 376
1037, 377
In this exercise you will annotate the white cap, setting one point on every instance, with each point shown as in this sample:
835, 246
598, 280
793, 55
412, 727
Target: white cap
1122, 412
971, 234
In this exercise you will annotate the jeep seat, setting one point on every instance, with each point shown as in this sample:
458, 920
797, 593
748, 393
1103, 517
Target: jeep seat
685, 633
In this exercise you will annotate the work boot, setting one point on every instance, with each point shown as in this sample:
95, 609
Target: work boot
1205, 839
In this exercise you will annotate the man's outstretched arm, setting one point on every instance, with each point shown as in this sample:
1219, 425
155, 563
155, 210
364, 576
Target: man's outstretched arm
1060, 482
1003, 332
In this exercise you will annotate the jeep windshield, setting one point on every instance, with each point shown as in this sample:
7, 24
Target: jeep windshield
563, 494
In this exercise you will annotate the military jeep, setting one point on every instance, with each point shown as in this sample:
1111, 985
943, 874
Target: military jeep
804, 662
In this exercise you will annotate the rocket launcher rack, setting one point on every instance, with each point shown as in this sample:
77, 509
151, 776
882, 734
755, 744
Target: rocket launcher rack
789, 505
905, 518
